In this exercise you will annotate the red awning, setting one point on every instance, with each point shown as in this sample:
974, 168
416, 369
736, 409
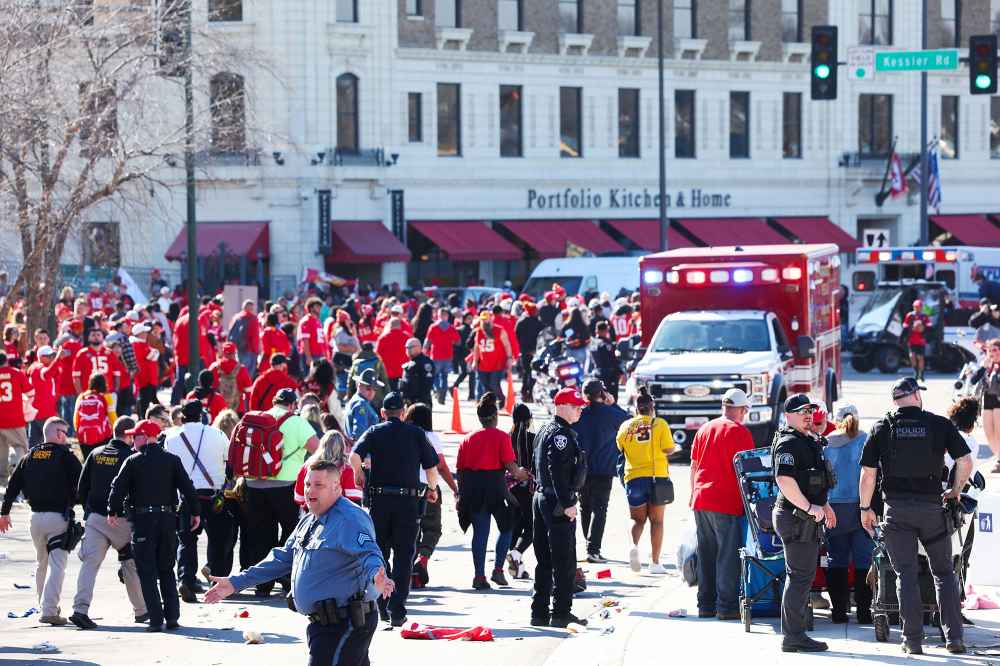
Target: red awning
365, 243
970, 229
242, 239
549, 237
468, 241
646, 234
818, 230
721, 232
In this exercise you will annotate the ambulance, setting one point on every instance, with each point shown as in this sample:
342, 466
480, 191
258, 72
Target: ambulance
760, 318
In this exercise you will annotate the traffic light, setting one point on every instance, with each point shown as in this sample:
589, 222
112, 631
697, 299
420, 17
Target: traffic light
983, 64
823, 62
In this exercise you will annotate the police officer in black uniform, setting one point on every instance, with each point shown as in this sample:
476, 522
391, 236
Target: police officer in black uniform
150, 480
602, 362
396, 452
908, 445
803, 479
560, 470
417, 382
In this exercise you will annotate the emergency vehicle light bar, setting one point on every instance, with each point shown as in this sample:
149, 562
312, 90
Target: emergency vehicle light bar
915, 254
698, 276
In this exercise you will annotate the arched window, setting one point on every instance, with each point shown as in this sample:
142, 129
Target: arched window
228, 99
347, 113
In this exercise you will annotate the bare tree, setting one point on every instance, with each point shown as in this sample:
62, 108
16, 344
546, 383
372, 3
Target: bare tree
91, 114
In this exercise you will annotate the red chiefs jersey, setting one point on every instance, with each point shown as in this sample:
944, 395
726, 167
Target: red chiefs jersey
492, 354
13, 385
311, 330
367, 332
43, 381
93, 424
917, 333
96, 301
272, 341
89, 362
70, 348
149, 367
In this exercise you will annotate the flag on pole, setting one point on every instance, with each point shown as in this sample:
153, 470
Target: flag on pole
897, 176
934, 179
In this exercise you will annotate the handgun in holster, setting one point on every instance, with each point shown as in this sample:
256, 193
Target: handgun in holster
356, 611
811, 530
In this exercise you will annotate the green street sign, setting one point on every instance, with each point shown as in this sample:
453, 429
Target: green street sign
915, 61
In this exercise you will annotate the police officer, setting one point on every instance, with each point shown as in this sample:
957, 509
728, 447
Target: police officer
361, 414
99, 470
560, 470
396, 452
908, 445
150, 480
417, 382
47, 475
803, 481
336, 568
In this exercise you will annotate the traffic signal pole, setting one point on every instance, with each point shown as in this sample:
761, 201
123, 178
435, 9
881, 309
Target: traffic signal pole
924, 176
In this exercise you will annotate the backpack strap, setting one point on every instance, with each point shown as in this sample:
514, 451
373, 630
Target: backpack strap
197, 456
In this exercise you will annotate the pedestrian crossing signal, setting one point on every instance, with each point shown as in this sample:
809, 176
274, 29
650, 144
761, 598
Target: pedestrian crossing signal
983, 64
823, 62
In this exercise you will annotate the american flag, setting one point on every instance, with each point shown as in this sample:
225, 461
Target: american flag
934, 187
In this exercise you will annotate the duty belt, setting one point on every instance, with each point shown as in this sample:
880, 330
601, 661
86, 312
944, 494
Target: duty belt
396, 491
154, 509
342, 612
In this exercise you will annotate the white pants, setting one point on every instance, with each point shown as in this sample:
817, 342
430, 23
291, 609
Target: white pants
51, 566
97, 538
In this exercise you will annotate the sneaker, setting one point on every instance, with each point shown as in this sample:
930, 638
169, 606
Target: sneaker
539, 621
818, 601
633, 559
912, 648
514, 563
153, 628
802, 644
596, 558
480, 583
579, 581
522, 572
82, 621
398, 621
205, 573
499, 578
54, 620
657, 568
562, 621
383, 609
142, 619
187, 594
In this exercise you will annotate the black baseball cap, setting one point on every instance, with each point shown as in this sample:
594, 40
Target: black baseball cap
797, 403
285, 396
906, 386
593, 388
393, 402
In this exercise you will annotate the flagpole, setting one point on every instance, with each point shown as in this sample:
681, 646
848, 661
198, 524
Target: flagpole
924, 175
664, 244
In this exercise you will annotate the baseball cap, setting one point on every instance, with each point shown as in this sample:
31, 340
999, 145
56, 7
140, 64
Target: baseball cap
594, 303
393, 402
147, 428
46, 350
132, 315
570, 396
369, 378
906, 386
843, 409
139, 329
917, 304
735, 397
285, 396
229, 348
798, 402
593, 387
164, 291
396, 309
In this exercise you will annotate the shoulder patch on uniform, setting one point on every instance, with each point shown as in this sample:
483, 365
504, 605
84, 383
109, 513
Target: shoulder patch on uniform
786, 459
363, 537
560, 441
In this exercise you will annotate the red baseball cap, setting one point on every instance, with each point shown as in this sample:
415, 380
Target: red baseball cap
144, 427
229, 348
570, 396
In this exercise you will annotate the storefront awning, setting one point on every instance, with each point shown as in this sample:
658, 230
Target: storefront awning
818, 230
468, 241
646, 234
365, 243
970, 229
240, 239
721, 232
550, 238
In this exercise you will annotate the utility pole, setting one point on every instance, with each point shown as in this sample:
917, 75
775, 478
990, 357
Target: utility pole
194, 350
663, 140
924, 176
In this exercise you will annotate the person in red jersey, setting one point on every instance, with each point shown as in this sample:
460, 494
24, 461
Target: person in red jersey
90, 360
44, 375
270, 382
232, 379
182, 352
272, 341
491, 356
311, 341
391, 348
15, 389
94, 415
916, 326
148, 358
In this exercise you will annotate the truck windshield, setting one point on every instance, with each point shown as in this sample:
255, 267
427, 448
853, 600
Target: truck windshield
877, 311
537, 286
738, 336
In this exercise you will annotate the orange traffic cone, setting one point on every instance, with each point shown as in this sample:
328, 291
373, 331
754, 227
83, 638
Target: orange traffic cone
508, 407
456, 414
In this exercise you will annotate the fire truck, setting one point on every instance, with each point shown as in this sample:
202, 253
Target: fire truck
760, 318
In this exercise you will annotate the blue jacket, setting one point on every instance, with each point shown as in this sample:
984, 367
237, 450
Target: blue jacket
596, 431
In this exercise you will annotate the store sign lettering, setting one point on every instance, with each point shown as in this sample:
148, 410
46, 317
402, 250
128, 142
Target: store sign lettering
619, 198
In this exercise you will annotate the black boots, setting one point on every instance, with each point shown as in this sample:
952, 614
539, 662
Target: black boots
863, 597
840, 594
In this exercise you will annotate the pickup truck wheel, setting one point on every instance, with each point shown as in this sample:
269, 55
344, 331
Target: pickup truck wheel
888, 360
949, 360
862, 363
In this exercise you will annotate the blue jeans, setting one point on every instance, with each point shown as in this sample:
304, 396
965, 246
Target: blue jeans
67, 405
480, 534
249, 361
848, 541
490, 381
179, 390
441, 369
341, 382
719, 541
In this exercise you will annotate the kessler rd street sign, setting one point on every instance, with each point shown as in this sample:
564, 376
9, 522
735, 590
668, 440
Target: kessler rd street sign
910, 61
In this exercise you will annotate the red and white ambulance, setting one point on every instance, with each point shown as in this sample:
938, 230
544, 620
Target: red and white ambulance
760, 318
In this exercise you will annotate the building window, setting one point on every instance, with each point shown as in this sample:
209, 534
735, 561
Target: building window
347, 11
948, 141
739, 124
739, 20
570, 17
571, 122
684, 127
875, 22
414, 7
347, 113
99, 117
874, 125
951, 23
685, 19
791, 20
511, 121
101, 244
449, 108
995, 127
995, 17
415, 117
225, 10
628, 18
448, 13
228, 110
509, 15
628, 122
791, 125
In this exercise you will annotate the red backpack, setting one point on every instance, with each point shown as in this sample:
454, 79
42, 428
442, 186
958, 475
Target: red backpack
256, 450
93, 426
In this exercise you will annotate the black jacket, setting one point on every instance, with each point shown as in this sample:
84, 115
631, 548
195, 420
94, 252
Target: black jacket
99, 471
527, 330
557, 453
547, 314
417, 382
47, 475
151, 477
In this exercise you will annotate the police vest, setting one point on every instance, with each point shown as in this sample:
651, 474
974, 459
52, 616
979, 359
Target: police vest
579, 471
815, 480
910, 452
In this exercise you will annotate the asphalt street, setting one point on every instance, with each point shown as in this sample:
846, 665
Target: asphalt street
640, 633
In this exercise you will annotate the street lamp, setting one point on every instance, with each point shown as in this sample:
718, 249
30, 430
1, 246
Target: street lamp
663, 141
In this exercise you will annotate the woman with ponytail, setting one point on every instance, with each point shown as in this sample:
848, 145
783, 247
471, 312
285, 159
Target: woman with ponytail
482, 458
524, 452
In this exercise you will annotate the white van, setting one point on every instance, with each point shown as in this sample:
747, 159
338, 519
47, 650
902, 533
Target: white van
584, 275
